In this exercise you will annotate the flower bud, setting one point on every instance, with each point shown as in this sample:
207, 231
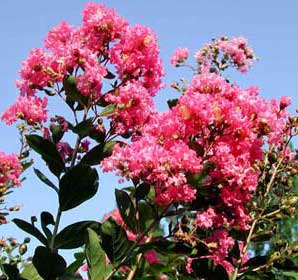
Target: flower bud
22, 249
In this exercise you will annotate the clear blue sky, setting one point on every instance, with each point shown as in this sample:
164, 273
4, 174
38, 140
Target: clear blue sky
270, 26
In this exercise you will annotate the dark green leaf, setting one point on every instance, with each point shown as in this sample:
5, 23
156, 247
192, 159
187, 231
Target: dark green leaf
205, 268
83, 128
57, 133
166, 247
26, 164
110, 75
49, 93
142, 191
44, 179
48, 152
256, 261
68, 276
75, 235
46, 219
29, 228
98, 153
235, 252
126, 209
48, 264
76, 186
114, 241
11, 271
98, 136
96, 258
147, 215
262, 236
73, 267
172, 102
72, 92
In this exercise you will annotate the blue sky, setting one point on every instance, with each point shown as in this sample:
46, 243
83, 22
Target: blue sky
270, 26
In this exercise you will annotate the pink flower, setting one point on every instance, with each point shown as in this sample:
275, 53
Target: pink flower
59, 37
151, 257
219, 253
179, 56
285, 101
30, 109
188, 267
90, 82
39, 70
237, 50
10, 169
101, 25
85, 146
136, 56
134, 106
162, 166
205, 219
65, 150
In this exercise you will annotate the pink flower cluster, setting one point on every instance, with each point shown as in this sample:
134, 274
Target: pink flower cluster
164, 166
30, 109
227, 123
223, 243
179, 56
101, 26
103, 42
236, 49
136, 56
134, 106
10, 169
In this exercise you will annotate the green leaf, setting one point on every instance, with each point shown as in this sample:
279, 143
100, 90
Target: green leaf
147, 215
235, 251
75, 235
114, 241
68, 276
76, 186
126, 209
57, 133
166, 247
142, 191
98, 136
44, 179
83, 128
73, 267
108, 110
205, 268
11, 271
48, 152
26, 164
256, 261
172, 103
46, 219
109, 75
30, 273
96, 259
48, 263
29, 228
292, 274
72, 92
98, 153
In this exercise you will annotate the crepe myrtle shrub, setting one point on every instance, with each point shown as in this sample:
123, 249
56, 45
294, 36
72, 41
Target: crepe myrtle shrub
210, 184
